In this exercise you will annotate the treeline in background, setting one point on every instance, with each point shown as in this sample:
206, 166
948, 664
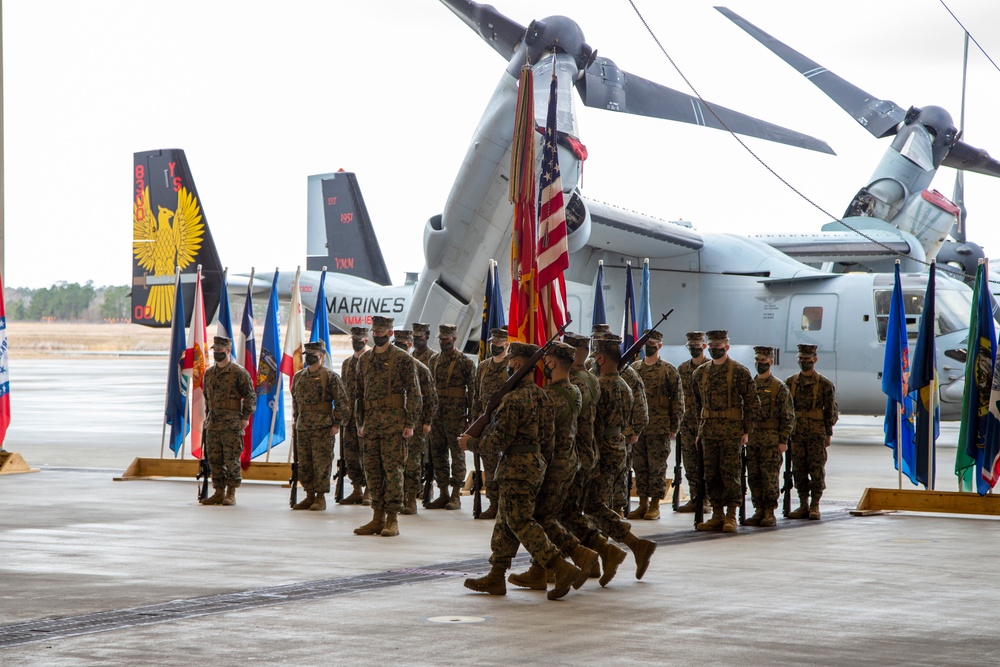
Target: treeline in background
68, 302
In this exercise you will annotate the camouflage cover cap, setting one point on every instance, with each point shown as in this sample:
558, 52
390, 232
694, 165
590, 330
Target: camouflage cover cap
519, 349
609, 342
576, 340
763, 351
695, 337
221, 343
359, 332
498, 334
421, 329
380, 322
807, 350
445, 330
403, 334
315, 346
561, 350
655, 335
599, 329
718, 334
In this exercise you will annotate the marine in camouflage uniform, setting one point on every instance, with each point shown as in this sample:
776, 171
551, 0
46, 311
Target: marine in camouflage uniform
814, 398
349, 439
416, 448
229, 401
637, 421
523, 420
387, 408
319, 408
665, 401
768, 441
421, 351
688, 433
454, 376
726, 400
491, 373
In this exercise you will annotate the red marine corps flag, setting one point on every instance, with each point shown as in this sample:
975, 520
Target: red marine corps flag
553, 250
195, 365
523, 295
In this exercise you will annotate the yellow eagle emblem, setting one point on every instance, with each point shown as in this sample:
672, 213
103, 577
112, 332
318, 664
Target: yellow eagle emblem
161, 247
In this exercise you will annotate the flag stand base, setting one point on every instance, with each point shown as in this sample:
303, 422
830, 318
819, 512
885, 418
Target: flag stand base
876, 501
12, 463
141, 468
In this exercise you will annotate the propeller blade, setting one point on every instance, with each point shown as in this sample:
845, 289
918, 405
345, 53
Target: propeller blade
497, 30
605, 86
880, 117
969, 158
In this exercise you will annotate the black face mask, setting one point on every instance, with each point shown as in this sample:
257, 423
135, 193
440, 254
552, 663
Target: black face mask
419, 342
400, 344
511, 371
358, 345
650, 350
763, 367
547, 371
696, 352
380, 340
447, 346
220, 356
496, 350
311, 359
717, 352
807, 365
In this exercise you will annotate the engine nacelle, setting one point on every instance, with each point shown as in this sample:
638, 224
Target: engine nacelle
577, 222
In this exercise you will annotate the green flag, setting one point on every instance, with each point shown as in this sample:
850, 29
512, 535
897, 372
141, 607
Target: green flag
965, 465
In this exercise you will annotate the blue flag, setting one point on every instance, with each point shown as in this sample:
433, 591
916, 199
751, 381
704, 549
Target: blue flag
629, 333
484, 331
600, 316
321, 321
895, 376
924, 388
645, 314
225, 327
176, 413
270, 394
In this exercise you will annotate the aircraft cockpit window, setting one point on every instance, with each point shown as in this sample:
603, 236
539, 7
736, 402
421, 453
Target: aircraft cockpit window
952, 308
812, 318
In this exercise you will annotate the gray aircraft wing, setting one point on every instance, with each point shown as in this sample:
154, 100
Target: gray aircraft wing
638, 235
843, 247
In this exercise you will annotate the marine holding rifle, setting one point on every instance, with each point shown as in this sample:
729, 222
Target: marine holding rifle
416, 448
769, 440
454, 374
319, 409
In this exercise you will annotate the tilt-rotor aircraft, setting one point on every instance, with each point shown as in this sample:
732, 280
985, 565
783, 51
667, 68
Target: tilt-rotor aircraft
712, 281
895, 207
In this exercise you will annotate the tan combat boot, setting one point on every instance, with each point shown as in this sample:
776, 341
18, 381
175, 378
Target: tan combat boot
373, 527
493, 583
442, 500
768, 520
814, 509
214, 499
409, 503
611, 558
729, 525
758, 516
585, 559
366, 498
643, 550
566, 573
305, 503
640, 511
490, 512
653, 513
455, 502
357, 495
533, 578
692, 503
391, 528
319, 504
230, 498
803, 509
715, 523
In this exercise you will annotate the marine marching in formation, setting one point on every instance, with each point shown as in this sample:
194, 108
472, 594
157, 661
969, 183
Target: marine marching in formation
556, 459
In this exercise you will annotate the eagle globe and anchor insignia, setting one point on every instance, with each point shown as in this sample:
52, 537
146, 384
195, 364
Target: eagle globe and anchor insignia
160, 247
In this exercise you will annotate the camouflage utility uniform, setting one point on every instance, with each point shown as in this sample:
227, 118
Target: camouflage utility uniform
490, 376
319, 402
665, 401
417, 448
562, 464
349, 438
229, 401
638, 417
815, 414
763, 456
688, 432
454, 374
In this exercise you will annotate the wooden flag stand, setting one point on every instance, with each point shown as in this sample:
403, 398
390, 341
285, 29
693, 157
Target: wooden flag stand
147, 468
12, 463
879, 501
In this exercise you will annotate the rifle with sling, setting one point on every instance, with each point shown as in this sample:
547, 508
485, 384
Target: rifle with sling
204, 471
294, 480
477, 486
786, 489
338, 492
476, 428
678, 460
743, 484
699, 501
428, 469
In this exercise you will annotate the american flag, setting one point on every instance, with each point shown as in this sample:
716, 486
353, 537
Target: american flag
553, 250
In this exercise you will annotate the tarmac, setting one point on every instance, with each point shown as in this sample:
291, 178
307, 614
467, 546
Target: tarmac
94, 571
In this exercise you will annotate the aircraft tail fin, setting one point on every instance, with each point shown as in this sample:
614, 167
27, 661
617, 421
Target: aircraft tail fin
169, 229
340, 235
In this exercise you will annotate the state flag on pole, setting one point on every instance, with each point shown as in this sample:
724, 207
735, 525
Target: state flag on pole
177, 383
269, 417
629, 333
291, 356
924, 388
979, 376
645, 314
195, 365
496, 308
224, 326
484, 330
4, 374
321, 321
523, 295
246, 348
895, 377
600, 314
553, 248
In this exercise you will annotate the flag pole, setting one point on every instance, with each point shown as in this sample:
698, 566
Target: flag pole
298, 271
241, 350
274, 408
166, 398
931, 463
899, 415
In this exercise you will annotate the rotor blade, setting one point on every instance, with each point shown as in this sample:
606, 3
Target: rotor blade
604, 86
958, 230
969, 158
497, 30
880, 117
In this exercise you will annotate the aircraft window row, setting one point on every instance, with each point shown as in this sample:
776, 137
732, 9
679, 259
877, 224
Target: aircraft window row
952, 310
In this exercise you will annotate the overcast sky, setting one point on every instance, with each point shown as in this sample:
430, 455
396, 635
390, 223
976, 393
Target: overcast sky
260, 95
